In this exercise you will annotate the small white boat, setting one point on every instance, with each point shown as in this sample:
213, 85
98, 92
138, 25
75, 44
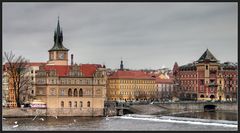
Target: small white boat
15, 126
15, 122
107, 117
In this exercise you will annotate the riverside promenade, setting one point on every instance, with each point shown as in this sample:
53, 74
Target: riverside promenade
23, 112
146, 109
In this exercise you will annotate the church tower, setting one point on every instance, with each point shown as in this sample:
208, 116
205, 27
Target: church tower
58, 54
121, 65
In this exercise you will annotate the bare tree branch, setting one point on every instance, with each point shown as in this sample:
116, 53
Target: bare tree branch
17, 71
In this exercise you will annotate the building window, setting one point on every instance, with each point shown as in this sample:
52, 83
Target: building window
75, 104
206, 67
62, 104
81, 92
32, 91
62, 92
52, 91
75, 92
88, 104
69, 92
81, 104
70, 104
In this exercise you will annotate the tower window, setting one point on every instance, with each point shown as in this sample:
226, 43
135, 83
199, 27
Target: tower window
206, 67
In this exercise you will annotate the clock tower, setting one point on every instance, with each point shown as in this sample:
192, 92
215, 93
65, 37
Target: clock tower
58, 54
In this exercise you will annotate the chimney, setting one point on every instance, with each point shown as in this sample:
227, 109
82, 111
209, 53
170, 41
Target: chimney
71, 59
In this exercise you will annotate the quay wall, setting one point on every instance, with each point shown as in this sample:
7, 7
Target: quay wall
30, 112
23, 112
199, 106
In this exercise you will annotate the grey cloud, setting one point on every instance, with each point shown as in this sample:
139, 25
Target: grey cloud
146, 35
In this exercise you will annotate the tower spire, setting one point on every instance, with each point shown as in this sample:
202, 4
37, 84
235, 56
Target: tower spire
58, 38
121, 65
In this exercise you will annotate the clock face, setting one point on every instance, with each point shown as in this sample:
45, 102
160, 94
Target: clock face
61, 56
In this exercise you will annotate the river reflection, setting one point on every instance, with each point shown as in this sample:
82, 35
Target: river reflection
218, 115
121, 123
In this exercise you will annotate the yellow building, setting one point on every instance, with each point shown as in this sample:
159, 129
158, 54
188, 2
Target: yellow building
130, 85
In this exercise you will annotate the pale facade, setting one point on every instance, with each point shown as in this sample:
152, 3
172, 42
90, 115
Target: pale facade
70, 90
74, 95
5, 88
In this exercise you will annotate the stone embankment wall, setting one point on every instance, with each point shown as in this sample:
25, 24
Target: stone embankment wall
149, 109
23, 112
199, 106
29, 112
75, 112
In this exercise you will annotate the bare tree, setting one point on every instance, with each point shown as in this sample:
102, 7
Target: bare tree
17, 72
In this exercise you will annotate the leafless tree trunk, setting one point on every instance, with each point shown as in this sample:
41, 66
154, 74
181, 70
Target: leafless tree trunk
17, 72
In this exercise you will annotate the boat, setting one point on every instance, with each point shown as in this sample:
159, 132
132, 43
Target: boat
38, 104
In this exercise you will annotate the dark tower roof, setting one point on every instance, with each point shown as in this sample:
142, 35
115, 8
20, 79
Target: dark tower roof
175, 69
207, 56
121, 65
58, 39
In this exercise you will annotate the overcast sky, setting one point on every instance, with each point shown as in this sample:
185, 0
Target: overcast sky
144, 35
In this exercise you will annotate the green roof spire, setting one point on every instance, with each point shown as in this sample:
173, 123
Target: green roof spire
58, 39
207, 55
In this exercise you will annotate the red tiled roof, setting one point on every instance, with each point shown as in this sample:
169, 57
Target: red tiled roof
87, 69
164, 81
131, 75
36, 63
61, 70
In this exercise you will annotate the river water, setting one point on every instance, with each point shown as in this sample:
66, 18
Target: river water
191, 121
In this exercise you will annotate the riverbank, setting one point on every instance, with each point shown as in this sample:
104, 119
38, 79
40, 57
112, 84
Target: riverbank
22, 112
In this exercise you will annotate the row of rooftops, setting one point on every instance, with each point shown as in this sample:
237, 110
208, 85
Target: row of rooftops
88, 70
222, 66
207, 56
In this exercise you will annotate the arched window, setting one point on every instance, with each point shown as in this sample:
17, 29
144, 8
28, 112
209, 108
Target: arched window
70, 104
88, 104
62, 104
75, 104
80, 92
75, 92
69, 92
81, 105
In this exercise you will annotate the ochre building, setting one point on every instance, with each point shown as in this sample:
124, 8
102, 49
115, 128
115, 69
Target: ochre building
130, 85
